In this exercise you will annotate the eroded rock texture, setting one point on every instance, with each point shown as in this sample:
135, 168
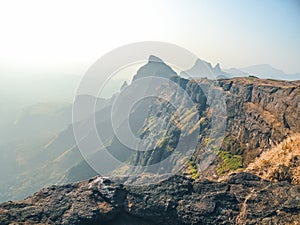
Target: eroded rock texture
243, 198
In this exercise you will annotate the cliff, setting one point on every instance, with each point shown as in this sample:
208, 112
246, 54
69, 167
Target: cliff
238, 119
211, 133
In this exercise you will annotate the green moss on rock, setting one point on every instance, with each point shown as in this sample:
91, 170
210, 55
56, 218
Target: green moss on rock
229, 162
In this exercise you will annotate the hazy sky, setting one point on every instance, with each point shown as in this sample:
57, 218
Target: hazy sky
68, 36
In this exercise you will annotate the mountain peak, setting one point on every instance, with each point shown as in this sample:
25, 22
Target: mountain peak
153, 58
202, 68
217, 67
124, 85
155, 68
200, 62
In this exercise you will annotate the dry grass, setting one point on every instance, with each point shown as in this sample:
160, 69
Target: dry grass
281, 163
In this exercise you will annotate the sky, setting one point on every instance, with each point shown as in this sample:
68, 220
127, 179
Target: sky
69, 36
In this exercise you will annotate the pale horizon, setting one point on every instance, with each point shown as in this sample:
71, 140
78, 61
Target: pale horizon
68, 37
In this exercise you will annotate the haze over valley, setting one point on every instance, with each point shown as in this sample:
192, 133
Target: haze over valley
150, 112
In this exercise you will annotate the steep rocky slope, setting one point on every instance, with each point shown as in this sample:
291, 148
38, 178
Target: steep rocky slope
261, 113
241, 199
235, 121
251, 115
257, 115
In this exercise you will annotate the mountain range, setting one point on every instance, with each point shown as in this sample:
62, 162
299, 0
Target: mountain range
263, 71
202, 68
217, 183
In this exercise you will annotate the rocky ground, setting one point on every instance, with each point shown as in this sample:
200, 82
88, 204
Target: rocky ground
242, 198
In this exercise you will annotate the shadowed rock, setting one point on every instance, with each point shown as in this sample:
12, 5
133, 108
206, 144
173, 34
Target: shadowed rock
242, 198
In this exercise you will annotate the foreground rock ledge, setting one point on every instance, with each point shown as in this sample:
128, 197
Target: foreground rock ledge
241, 199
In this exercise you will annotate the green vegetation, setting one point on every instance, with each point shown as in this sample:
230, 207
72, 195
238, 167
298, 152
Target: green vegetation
164, 142
229, 162
251, 77
207, 141
230, 143
192, 170
227, 140
152, 122
169, 148
270, 79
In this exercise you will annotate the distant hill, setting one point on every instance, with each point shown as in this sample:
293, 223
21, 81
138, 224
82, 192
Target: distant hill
266, 71
202, 69
234, 72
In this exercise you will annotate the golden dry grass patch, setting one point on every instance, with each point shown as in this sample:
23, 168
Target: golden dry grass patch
281, 162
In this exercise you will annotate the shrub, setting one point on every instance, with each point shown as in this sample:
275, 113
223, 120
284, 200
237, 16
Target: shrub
192, 170
229, 162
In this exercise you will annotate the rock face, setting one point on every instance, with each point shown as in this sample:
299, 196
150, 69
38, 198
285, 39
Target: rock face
240, 199
258, 114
